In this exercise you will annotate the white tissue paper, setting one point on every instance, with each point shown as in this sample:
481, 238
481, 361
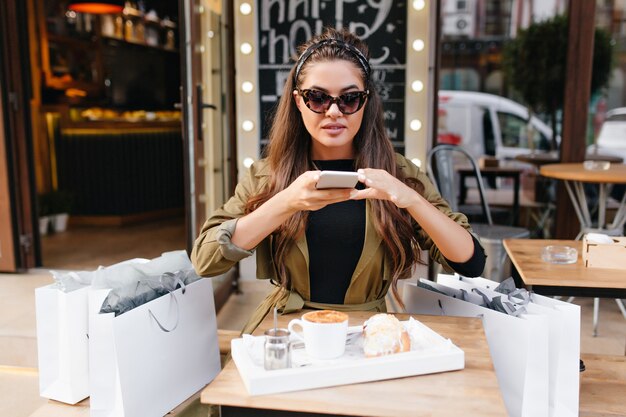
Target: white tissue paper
598, 238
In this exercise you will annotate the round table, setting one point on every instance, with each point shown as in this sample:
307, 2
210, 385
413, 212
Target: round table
575, 176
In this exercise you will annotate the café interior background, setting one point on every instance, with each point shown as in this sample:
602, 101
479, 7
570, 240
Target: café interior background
106, 129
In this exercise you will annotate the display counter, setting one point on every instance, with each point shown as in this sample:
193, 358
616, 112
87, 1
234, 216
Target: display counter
121, 171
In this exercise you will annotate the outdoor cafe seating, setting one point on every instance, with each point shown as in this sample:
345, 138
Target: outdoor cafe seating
442, 162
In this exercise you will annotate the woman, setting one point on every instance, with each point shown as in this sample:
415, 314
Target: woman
333, 248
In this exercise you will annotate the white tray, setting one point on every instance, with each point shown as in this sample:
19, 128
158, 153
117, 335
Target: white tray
430, 353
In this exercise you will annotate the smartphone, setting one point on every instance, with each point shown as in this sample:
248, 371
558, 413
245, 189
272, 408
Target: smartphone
337, 179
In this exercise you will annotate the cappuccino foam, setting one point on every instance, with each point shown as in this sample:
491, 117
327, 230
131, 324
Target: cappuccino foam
325, 316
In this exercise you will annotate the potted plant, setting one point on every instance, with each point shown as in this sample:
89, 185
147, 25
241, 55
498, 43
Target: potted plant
60, 206
535, 64
43, 210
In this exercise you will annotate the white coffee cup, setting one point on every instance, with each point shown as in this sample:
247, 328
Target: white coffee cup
323, 332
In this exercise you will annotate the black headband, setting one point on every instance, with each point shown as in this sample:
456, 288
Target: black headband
307, 53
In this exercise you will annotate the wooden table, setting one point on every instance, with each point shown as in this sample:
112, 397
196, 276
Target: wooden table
568, 279
575, 176
552, 157
471, 391
494, 172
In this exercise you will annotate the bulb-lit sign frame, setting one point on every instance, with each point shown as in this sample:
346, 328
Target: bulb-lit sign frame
419, 87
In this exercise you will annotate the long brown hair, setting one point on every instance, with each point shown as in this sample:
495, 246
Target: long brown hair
288, 155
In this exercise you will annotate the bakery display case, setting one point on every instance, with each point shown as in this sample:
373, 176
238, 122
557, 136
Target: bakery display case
121, 166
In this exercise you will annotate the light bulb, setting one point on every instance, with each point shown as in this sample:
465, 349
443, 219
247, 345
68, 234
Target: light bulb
245, 48
418, 45
417, 86
247, 86
245, 8
419, 4
247, 125
415, 125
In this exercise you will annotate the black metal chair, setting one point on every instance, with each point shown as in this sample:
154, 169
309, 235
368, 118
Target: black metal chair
442, 161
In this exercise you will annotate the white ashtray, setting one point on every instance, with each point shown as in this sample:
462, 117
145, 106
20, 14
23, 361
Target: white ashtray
559, 254
596, 165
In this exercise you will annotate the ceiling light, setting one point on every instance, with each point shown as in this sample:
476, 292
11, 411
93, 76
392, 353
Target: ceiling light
97, 7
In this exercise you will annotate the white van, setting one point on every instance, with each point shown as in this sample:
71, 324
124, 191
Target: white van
612, 137
486, 124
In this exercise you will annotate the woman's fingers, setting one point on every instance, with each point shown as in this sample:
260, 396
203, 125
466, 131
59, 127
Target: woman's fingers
303, 195
384, 186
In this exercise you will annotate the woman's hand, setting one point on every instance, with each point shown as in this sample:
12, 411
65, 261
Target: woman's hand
302, 194
382, 185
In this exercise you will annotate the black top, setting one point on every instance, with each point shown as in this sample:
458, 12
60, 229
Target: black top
335, 236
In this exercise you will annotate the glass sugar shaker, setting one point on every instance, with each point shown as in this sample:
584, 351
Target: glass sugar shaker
277, 349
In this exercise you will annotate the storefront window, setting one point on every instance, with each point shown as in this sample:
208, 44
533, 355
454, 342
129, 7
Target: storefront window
473, 36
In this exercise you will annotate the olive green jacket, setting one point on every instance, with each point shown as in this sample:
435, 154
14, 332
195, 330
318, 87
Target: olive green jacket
213, 253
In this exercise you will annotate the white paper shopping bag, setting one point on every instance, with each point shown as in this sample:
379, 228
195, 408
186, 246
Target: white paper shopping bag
564, 319
145, 362
62, 343
518, 347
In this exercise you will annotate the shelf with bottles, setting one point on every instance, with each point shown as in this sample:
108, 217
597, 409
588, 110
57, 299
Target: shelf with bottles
135, 25
75, 47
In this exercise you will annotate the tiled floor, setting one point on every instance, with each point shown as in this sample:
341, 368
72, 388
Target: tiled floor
18, 351
87, 247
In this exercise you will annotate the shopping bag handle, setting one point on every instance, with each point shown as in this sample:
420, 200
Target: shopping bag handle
176, 279
151, 314
183, 290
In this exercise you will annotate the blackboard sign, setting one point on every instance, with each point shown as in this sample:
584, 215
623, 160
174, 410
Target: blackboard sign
283, 25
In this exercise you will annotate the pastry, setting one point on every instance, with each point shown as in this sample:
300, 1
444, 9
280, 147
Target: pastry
383, 334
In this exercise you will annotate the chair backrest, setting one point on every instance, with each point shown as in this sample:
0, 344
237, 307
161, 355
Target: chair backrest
442, 163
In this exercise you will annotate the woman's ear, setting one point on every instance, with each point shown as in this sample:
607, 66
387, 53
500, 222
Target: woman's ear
297, 99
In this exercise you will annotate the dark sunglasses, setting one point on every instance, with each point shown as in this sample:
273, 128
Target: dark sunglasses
320, 102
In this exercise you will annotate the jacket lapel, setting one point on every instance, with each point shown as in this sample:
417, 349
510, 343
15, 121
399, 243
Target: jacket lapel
371, 244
